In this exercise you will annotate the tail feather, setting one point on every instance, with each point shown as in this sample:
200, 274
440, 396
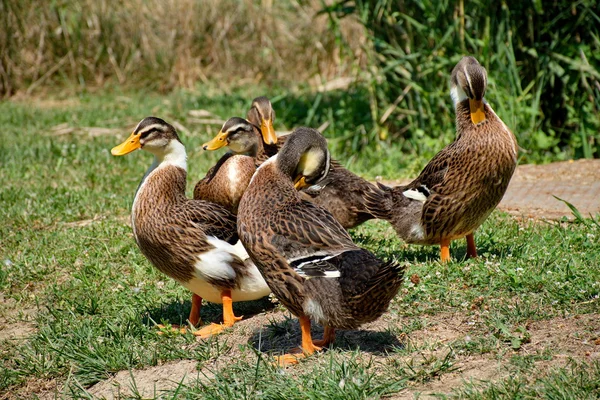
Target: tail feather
384, 284
379, 292
378, 201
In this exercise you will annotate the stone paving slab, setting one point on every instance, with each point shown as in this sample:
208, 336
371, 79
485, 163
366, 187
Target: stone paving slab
533, 187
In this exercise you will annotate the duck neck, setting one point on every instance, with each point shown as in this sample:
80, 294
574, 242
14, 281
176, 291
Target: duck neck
172, 155
464, 123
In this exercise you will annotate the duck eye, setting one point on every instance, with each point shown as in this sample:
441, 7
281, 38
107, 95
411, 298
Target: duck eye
147, 133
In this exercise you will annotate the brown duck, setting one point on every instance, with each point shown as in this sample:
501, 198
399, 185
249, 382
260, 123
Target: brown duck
463, 183
341, 195
192, 241
307, 258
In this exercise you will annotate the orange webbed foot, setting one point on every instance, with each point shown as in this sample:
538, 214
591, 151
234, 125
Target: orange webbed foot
210, 330
173, 329
295, 355
288, 359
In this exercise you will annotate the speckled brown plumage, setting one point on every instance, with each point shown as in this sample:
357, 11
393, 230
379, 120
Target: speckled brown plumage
191, 241
226, 181
296, 244
171, 230
342, 196
464, 182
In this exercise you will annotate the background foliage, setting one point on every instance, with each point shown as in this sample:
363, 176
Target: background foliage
542, 59
376, 72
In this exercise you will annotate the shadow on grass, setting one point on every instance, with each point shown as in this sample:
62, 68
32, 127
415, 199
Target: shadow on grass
177, 312
279, 337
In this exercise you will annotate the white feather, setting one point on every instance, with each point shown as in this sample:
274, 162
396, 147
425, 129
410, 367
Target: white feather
216, 264
236, 127
457, 95
313, 309
233, 174
328, 274
415, 195
417, 232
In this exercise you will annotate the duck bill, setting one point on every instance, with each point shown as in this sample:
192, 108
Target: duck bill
130, 144
219, 141
300, 182
268, 132
477, 113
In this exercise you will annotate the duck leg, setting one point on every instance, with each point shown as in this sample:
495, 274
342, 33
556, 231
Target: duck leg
229, 318
308, 347
194, 317
445, 250
471, 249
328, 337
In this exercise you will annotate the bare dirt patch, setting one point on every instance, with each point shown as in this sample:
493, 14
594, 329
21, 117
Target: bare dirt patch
575, 336
42, 389
564, 338
16, 320
147, 383
533, 187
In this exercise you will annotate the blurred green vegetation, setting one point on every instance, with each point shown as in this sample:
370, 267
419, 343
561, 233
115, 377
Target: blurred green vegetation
543, 61
374, 73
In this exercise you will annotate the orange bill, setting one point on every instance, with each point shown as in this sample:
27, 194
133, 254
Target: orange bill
219, 141
300, 182
130, 144
268, 132
477, 113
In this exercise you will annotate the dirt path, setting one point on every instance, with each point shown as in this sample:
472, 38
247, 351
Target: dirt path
568, 337
533, 187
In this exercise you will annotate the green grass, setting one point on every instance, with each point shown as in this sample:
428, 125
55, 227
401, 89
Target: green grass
71, 273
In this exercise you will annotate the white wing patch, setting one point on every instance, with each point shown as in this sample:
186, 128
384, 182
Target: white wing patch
216, 263
415, 195
315, 266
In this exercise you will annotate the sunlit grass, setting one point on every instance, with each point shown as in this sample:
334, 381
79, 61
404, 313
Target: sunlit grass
71, 272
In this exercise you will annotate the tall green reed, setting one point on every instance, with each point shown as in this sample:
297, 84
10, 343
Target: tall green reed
543, 61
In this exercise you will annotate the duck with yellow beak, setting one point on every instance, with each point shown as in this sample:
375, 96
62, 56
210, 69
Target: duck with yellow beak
463, 183
341, 194
192, 241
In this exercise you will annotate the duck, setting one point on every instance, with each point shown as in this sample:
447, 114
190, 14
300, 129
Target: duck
225, 182
255, 137
305, 255
463, 183
194, 242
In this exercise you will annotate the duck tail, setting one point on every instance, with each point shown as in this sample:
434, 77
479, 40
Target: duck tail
384, 285
378, 201
374, 295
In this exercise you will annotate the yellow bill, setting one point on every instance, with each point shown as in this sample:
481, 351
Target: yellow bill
477, 113
300, 182
268, 132
130, 144
219, 141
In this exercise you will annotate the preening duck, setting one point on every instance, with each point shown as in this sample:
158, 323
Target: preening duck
307, 258
341, 196
192, 241
463, 183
